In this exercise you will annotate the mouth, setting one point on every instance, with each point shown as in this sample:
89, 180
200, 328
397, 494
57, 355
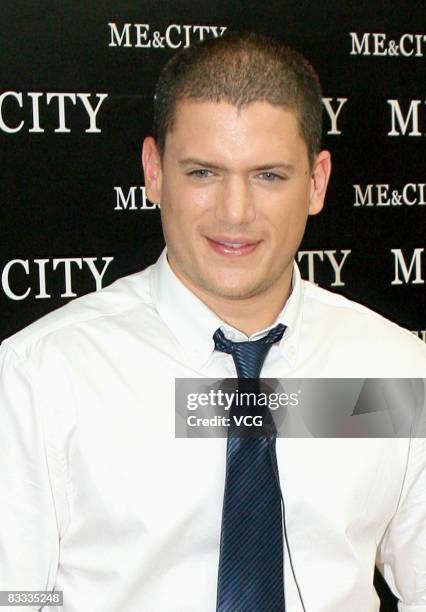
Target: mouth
237, 247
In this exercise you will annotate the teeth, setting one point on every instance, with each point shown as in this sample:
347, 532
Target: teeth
234, 245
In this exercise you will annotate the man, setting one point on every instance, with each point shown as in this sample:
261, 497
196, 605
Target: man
99, 498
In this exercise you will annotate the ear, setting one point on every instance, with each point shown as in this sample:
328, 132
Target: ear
319, 181
151, 164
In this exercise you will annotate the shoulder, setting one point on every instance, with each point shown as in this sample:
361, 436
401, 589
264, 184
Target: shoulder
89, 311
353, 327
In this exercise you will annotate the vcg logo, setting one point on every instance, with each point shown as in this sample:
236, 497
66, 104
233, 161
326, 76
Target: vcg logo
174, 36
379, 44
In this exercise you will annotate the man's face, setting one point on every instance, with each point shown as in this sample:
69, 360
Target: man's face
235, 189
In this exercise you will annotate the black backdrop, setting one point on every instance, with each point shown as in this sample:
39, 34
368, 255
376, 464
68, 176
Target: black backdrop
77, 82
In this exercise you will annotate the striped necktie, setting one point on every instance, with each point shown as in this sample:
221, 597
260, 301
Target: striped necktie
251, 561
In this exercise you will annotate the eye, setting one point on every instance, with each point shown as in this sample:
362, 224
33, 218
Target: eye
201, 173
271, 177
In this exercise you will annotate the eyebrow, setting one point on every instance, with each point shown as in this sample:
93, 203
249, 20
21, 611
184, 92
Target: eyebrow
199, 162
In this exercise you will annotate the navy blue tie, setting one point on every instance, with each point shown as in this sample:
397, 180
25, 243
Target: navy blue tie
251, 562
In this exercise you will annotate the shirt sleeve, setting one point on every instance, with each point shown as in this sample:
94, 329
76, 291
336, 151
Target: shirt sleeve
29, 540
401, 556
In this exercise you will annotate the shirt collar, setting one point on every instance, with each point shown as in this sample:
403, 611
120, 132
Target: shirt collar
193, 323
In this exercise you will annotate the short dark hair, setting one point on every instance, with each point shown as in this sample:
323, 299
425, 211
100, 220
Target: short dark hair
241, 68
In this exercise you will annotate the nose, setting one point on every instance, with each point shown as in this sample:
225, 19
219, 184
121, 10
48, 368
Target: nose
235, 204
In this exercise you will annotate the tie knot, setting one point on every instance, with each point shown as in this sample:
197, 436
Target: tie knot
248, 356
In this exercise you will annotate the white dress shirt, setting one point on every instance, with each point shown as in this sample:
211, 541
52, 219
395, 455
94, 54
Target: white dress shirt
99, 499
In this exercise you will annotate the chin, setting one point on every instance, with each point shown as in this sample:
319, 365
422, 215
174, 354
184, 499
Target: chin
232, 290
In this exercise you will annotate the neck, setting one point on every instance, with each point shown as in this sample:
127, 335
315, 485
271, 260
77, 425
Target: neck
248, 315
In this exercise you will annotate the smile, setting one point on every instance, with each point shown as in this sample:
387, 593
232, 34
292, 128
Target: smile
232, 248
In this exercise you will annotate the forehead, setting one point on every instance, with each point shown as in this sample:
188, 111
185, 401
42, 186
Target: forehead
235, 133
